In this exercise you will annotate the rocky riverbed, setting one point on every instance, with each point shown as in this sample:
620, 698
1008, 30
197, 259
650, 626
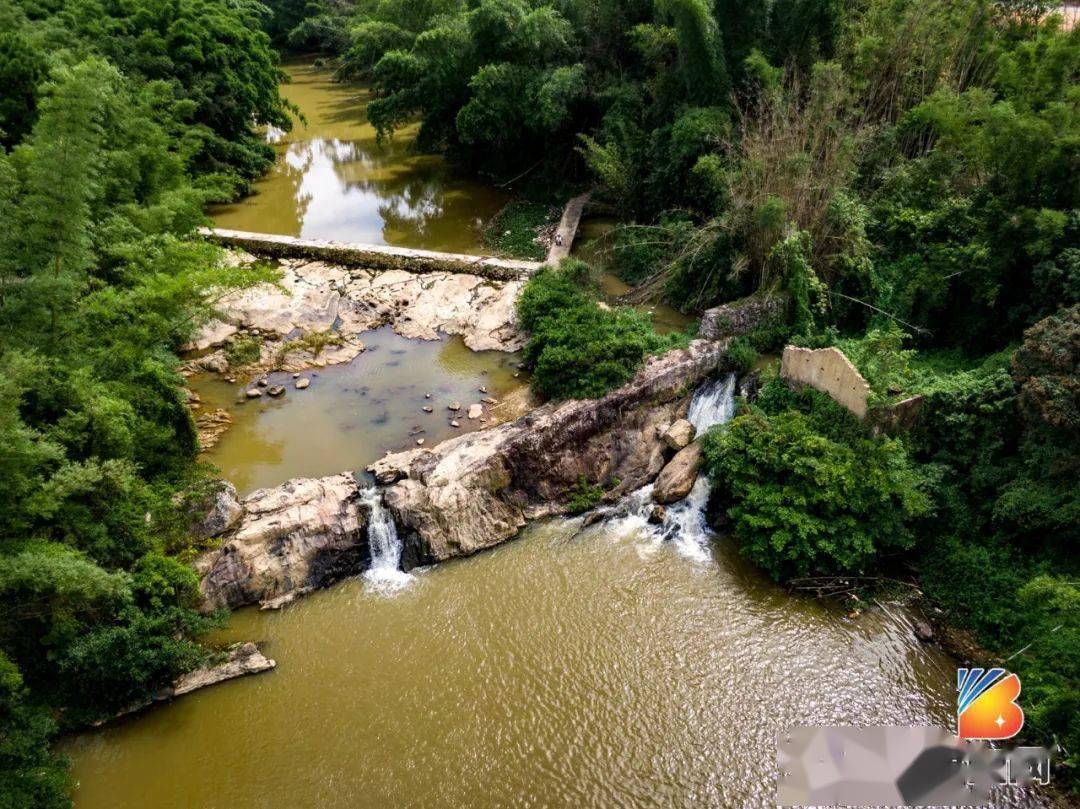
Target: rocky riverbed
337, 304
464, 494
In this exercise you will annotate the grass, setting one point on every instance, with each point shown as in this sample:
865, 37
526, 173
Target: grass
514, 230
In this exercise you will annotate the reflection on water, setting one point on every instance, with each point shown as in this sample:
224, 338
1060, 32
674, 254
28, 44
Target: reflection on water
569, 668
354, 413
332, 180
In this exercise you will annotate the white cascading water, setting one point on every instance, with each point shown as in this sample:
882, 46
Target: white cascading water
713, 403
385, 573
684, 522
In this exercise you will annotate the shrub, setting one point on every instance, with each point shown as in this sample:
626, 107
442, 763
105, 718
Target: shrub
584, 495
514, 231
742, 354
806, 498
577, 348
243, 350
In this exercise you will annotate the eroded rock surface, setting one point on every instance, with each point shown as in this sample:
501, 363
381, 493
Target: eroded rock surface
241, 660
679, 434
312, 297
475, 491
304, 533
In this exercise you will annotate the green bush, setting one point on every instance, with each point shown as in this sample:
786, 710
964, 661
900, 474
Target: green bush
244, 350
810, 497
30, 776
584, 496
742, 354
576, 348
513, 232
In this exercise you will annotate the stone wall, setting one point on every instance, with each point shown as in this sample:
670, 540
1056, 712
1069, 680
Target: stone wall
762, 310
829, 371
371, 256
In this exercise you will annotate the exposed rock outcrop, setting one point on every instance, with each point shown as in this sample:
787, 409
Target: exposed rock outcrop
220, 514
762, 310
239, 660
316, 298
478, 490
305, 533
211, 425
677, 478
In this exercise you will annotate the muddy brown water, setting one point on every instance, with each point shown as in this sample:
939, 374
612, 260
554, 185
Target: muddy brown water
568, 668
334, 180
563, 669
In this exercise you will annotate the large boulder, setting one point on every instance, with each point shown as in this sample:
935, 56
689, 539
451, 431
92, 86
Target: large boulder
677, 478
762, 310
219, 513
479, 489
305, 533
679, 434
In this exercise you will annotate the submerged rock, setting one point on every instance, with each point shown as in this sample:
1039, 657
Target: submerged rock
475, 411
302, 383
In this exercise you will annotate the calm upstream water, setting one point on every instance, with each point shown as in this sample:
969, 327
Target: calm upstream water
333, 180
356, 412
571, 667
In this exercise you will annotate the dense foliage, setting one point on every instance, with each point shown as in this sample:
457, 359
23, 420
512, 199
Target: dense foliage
578, 348
122, 121
808, 490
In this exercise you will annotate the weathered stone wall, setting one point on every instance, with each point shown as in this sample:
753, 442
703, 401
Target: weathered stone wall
371, 256
829, 371
761, 310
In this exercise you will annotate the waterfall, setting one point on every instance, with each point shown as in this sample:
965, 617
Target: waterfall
385, 572
713, 403
684, 522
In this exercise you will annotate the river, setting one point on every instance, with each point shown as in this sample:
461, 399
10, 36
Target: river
570, 667
333, 180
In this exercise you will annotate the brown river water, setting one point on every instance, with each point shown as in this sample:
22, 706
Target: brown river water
603, 667
333, 180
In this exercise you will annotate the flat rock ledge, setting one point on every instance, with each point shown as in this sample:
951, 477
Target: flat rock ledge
313, 297
239, 660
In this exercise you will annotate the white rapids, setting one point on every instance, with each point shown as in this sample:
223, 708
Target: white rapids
684, 522
385, 573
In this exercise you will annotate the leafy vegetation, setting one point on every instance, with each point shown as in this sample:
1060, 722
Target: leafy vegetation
809, 491
578, 348
515, 231
584, 496
118, 124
